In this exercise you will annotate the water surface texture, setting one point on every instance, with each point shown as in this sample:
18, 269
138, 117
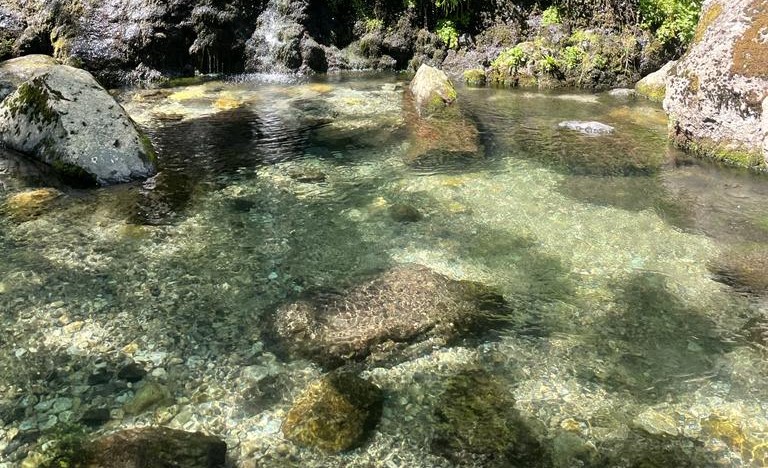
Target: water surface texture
631, 338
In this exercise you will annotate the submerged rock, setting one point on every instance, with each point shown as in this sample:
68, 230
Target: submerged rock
587, 128
654, 86
477, 425
334, 413
146, 397
745, 268
65, 119
399, 306
623, 93
716, 94
26, 205
432, 90
403, 213
156, 447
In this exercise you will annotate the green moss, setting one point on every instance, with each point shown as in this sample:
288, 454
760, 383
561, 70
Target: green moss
652, 92
32, 98
739, 157
149, 149
65, 446
584, 38
475, 77
70, 173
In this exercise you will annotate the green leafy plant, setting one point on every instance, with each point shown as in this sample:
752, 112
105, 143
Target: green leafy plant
548, 64
510, 59
551, 16
573, 57
447, 32
671, 20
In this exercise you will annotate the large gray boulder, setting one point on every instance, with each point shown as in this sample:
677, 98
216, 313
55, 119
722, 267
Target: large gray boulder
64, 118
716, 95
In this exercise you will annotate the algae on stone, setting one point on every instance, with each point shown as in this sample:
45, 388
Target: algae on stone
334, 413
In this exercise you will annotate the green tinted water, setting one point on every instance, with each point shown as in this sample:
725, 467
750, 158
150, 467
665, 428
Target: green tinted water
621, 348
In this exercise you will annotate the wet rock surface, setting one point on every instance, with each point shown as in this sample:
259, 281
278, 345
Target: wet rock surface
432, 90
63, 118
399, 306
334, 413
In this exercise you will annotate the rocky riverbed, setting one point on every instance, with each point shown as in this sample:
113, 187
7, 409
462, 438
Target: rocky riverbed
604, 270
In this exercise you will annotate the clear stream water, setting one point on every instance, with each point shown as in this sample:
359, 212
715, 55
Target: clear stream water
623, 349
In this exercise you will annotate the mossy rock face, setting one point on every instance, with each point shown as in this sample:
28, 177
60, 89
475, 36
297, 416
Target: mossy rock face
475, 77
477, 425
717, 93
402, 305
335, 413
654, 86
432, 90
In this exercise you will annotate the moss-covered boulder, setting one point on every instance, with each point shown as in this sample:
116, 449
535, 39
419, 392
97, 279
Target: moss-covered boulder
432, 90
477, 425
716, 94
654, 86
334, 413
399, 306
64, 118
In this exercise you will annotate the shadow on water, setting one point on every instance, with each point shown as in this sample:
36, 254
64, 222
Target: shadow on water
199, 154
653, 345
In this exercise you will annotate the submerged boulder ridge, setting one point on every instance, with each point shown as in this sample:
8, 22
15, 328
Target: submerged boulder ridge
397, 307
64, 118
716, 94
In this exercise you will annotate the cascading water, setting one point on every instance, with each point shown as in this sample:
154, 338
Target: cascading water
275, 44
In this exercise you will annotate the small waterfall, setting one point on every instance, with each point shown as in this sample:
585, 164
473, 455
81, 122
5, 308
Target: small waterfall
275, 44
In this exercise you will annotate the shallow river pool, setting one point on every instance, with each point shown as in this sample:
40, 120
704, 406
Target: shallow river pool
633, 278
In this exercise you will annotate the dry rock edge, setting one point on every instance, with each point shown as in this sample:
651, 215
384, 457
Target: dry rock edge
716, 94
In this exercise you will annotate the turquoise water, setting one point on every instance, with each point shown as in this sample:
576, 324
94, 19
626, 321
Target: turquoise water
621, 347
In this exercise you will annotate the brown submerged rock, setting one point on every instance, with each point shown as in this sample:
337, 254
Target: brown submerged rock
399, 306
334, 413
157, 447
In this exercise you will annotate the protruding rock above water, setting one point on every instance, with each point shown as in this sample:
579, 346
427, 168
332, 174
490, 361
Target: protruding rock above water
402, 305
432, 90
587, 128
157, 446
437, 128
716, 94
654, 86
334, 413
64, 118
